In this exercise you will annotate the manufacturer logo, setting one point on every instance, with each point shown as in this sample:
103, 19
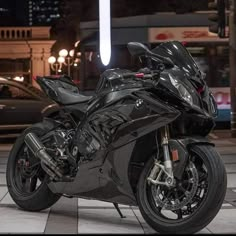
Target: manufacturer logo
139, 103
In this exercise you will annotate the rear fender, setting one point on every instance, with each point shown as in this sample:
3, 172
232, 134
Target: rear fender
50, 110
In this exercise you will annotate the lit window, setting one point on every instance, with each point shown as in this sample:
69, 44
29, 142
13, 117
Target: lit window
3, 9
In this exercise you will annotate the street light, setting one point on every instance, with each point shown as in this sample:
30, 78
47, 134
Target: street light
68, 58
105, 31
56, 64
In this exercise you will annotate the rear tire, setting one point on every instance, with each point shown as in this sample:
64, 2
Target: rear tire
42, 197
208, 206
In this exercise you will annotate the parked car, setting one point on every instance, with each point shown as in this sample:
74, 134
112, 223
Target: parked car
21, 105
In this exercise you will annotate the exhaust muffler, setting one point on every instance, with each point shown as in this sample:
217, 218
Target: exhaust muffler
39, 150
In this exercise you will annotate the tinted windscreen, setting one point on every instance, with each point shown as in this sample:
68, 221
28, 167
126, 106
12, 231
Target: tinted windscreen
179, 55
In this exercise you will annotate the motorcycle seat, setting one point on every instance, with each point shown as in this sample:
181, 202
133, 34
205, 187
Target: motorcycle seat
69, 97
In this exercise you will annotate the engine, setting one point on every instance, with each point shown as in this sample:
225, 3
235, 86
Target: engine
88, 144
98, 132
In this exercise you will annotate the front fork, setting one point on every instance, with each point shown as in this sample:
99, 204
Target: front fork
166, 169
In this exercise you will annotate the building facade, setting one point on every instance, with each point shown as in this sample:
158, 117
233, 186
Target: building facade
24, 52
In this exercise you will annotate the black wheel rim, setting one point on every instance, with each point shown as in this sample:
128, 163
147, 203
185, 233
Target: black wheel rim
28, 175
178, 193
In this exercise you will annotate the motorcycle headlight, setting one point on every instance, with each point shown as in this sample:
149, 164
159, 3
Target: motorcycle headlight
183, 92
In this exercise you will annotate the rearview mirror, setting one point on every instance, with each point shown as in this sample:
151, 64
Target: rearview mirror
139, 49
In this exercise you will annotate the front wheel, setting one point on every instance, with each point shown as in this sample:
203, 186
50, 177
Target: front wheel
193, 202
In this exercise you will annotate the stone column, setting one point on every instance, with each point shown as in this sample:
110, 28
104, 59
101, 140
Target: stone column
41, 51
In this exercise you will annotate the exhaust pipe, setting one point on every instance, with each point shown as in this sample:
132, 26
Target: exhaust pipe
39, 150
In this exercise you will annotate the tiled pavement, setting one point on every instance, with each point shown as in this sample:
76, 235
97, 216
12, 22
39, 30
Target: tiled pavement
80, 216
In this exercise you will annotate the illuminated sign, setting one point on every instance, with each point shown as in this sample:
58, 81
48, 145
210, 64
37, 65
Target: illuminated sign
105, 31
186, 34
222, 97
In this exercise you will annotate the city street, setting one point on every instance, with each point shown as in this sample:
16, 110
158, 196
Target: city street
107, 73
79, 216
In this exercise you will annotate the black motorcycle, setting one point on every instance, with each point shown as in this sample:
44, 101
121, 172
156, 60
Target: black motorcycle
141, 140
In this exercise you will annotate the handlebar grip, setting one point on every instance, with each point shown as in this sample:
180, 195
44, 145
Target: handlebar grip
128, 74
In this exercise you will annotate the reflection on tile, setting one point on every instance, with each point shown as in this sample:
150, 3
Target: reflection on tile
231, 180
224, 222
3, 168
95, 203
102, 221
3, 158
63, 217
224, 150
226, 205
14, 220
3, 179
147, 229
7, 200
3, 191
223, 142
230, 168
204, 231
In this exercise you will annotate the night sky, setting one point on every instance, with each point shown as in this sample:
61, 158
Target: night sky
16, 12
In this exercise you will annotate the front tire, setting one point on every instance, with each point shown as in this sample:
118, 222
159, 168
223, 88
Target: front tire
28, 186
205, 204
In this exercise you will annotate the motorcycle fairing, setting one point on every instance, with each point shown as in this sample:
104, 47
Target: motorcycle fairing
109, 182
115, 122
175, 51
116, 128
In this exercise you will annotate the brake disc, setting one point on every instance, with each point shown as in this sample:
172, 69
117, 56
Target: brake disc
167, 199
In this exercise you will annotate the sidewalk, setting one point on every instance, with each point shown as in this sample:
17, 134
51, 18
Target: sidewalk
80, 216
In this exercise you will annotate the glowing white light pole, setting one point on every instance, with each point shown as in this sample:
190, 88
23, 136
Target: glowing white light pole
105, 30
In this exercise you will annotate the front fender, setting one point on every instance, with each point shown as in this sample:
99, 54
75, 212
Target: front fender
195, 140
182, 146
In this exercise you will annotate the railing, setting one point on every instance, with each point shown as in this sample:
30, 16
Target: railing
24, 33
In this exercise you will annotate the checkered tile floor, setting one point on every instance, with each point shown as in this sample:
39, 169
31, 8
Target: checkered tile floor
80, 216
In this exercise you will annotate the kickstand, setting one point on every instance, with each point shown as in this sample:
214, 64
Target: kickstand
118, 209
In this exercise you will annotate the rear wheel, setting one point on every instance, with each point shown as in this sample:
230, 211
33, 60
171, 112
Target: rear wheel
193, 202
26, 180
